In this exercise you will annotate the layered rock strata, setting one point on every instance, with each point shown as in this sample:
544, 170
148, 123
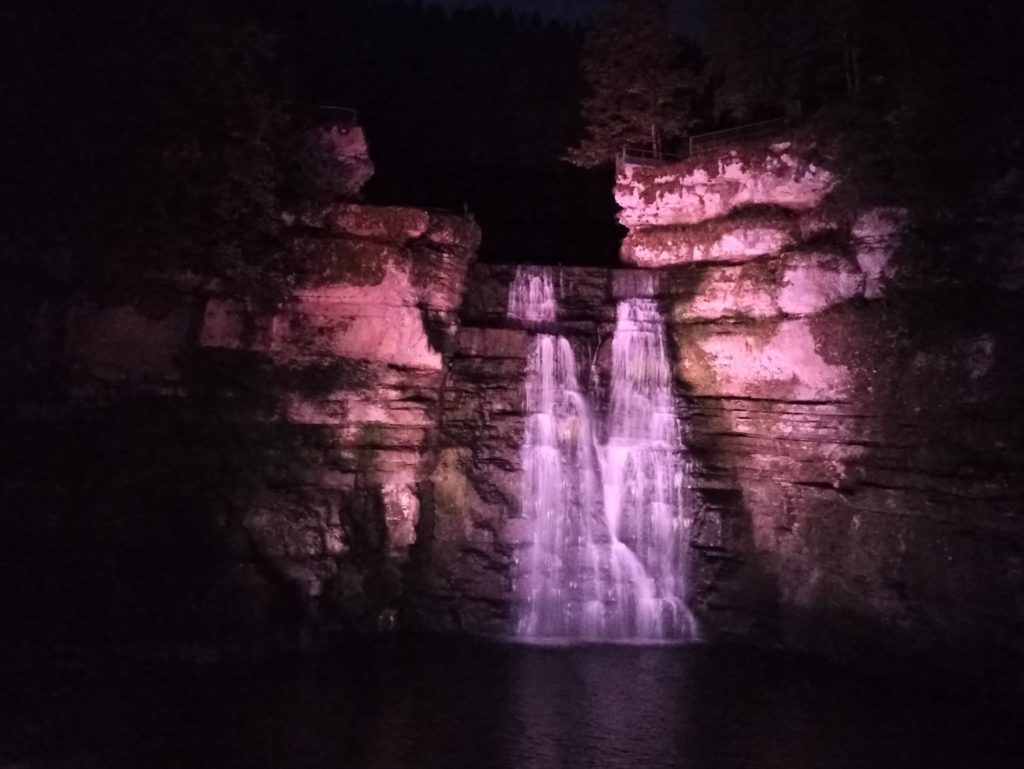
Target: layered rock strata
294, 435
347, 456
862, 479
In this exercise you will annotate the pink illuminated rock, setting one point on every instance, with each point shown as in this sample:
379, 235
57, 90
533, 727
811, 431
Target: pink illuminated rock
813, 282
780, 361
394, 225
380, 321
799, 283
735, 291
385, 224
390, 225
710, 186
661, 246
377, 323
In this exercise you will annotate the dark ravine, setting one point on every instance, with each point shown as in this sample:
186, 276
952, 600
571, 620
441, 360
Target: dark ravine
347, 461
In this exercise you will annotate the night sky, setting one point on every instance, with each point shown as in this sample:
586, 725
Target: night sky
569, 9
575, 10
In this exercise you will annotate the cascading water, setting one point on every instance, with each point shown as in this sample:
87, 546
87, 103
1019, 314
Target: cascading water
608, 556
646, 482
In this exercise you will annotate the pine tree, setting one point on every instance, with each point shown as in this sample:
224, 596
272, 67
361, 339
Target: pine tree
636, 86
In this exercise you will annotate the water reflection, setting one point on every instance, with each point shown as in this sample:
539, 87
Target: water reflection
601, 707
487, 706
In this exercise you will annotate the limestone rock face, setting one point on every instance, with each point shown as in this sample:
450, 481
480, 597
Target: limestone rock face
733, 242
370, 331
712, 185
476, 486
331, 395
798, 283
778, 361
861, 482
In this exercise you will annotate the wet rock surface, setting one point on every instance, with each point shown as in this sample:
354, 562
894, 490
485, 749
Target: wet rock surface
861, 479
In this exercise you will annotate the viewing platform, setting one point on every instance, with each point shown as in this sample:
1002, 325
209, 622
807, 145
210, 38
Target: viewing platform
698, 144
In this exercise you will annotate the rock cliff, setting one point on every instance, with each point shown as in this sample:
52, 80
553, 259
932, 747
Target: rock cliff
283, 443
859, 476
361, 347
862, 479
346, 456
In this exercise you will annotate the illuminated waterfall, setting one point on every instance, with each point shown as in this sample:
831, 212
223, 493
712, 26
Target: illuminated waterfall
608, 556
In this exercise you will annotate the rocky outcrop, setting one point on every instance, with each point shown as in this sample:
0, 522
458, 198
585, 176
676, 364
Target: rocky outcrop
861, 479
792, 175
363, 343
346, 455
374, 325
321, 406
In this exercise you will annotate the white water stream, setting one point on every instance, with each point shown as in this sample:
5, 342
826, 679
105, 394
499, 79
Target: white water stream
610, 505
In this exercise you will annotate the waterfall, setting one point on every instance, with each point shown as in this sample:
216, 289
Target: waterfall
607, 560
646, 482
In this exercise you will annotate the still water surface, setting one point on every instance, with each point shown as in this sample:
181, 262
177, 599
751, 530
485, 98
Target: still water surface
480, 706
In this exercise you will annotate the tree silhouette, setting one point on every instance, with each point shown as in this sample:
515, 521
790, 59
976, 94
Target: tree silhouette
636, 85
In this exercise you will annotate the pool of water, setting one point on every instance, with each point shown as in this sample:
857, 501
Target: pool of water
473, 706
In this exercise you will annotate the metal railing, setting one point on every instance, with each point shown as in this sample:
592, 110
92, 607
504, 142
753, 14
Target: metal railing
707, 141
640, 156
699, 143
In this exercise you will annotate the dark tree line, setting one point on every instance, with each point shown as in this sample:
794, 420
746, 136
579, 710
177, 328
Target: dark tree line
926, 97
640, 86
927, 89
471, 108
158, 133
139, 134
149, 134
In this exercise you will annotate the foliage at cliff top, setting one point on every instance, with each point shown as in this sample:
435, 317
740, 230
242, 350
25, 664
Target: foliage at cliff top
765, 54
925, 97
923, 91
126, 116
142, 137
637, 86
155, 134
